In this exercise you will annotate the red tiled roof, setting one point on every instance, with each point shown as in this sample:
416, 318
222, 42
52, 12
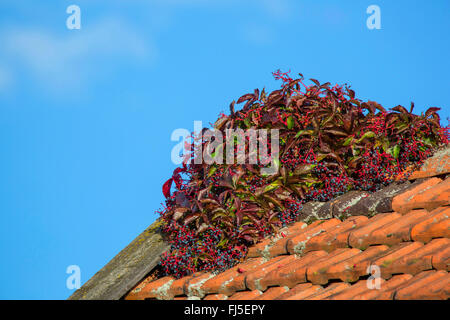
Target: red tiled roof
329, 258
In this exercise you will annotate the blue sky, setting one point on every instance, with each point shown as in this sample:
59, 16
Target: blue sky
86, 115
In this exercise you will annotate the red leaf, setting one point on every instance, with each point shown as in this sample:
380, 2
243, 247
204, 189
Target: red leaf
400, 109
232, 108
431, 111
166, 188
245, 97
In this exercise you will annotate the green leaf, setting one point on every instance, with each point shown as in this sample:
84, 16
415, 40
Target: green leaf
271, 187
290, 122
222, 242
427, 141
367, 135
303, 133
347, 141
396, 151
212, 170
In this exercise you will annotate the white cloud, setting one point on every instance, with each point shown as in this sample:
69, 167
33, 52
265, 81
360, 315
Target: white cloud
72, 59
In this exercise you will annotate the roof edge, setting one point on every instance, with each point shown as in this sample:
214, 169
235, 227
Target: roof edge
127, 268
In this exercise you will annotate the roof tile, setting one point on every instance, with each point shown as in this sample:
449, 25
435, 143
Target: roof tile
253, 279
329, 291
301, 291
419, 259
295, 290
318, 272
193, 287
296, 244
436, 225
386, 261
335, 237
422, 196
245, 295
387, 288
438, 164
427, 285
351, 269
223, 282
441, 259
358, 289
177, 287
292, 273
150, 290
340, 206
329, 258
217, 296
280, 247
266, 247
379, 201
357, 238
272, 293
397, 230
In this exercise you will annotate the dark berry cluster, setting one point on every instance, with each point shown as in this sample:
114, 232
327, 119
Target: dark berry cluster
190, 252
292, 207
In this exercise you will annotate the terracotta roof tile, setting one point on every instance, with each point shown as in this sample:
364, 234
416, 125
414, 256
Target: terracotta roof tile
296, 244
423, 195
218, 296
419, 259
358, 237
354, 291
301, 291
386, 290
386, 262
177, 287
293, 291
246, 295
254, 278
407, 238
317, 273
265, 248
236, 282
441, 259
335, 237
427, 285
436, 224
292, 273
395, 231
193, 286
150, 290
272, 293
351, 269
329, 291
438, 164
223, 282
